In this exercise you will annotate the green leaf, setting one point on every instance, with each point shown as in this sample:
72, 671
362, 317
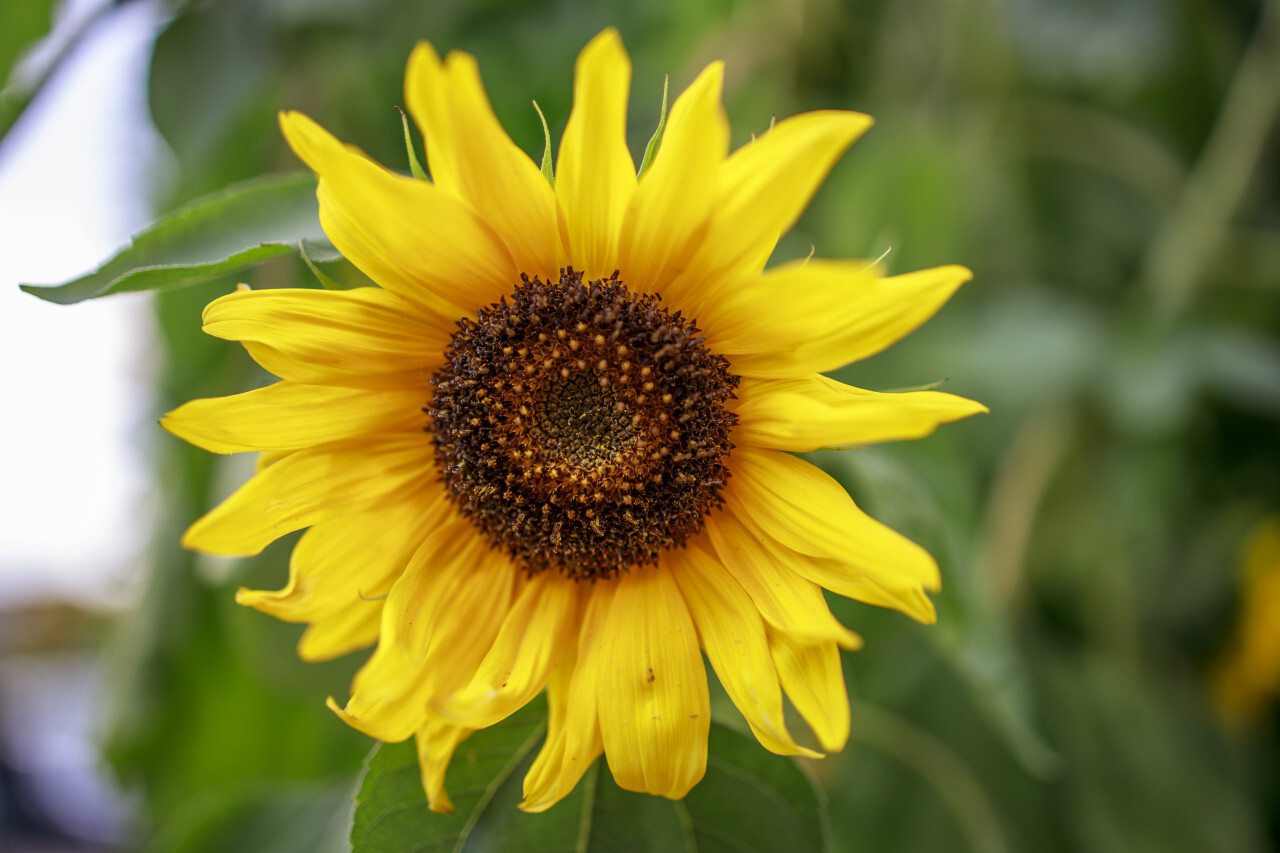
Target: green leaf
651, 150
225, 231
414, 166
210, 88
972, 637
750, 800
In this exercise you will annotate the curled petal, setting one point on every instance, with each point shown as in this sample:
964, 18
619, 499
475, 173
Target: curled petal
733, 636
790, 603
351, 561
437, 740
535, 634
814, 682
438, 621
836, 545
573, 729
345, 631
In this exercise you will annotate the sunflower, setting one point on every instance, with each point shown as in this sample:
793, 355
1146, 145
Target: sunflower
552, 449
1245, 679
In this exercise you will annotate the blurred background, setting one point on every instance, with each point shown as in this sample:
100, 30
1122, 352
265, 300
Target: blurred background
1105, 670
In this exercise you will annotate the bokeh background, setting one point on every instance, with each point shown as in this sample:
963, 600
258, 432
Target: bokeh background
1105, 669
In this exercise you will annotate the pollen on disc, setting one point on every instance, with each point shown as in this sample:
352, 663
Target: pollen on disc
582, 427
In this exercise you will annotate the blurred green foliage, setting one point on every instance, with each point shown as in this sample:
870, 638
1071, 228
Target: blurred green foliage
1108, 170
749, 800
24, 23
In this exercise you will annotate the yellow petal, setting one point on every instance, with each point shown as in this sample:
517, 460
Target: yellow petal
427, 95
733, 635
363, 338
311, 486
814, 682
668, 215
790, 603
438, 622
814, 316
344, 632
573, 727
407, 235
541, 625
595, 175
350, 561
288, 416
814, 411
471, 156
267, 458
437, 741
763, 188
807, 512
654, 706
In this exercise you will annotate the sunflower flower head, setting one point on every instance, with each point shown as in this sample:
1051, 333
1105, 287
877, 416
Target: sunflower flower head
551, 450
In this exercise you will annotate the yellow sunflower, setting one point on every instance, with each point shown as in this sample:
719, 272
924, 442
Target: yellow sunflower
1245, 679
552, 449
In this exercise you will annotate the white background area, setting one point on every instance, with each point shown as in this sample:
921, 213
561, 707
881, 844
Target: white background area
75, 418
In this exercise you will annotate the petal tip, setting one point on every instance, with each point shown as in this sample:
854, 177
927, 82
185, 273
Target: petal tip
423, 51
440, 804
343, 714
850, 641
311, 142
606, 47
926, 613
424, 63
534, 807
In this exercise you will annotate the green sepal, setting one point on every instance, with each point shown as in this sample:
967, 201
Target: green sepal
651, 150
548, 170
928, 386
325, 281
414, 166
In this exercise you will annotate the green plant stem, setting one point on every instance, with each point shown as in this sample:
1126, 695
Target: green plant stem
959, 789
1022, 478
1177, 259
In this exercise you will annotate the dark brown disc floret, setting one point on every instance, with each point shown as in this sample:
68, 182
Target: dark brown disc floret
582, 427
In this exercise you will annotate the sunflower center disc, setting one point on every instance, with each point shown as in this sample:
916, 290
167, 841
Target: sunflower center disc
581, 427
582, 421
